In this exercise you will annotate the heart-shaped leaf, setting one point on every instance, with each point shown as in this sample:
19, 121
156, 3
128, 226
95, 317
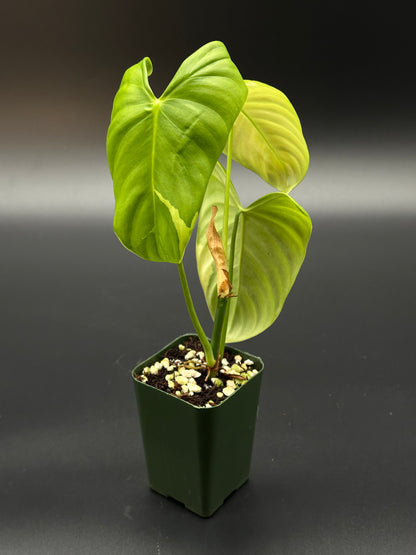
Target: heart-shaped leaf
162, 151
270, 246
268, 139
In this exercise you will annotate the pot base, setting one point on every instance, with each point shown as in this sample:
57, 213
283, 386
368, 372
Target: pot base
191, 508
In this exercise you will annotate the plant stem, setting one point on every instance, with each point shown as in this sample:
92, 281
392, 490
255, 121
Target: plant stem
220, 320
209, 356
231, 277
218, 325
224, 237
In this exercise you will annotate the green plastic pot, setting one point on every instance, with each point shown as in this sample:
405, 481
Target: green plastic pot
197, 455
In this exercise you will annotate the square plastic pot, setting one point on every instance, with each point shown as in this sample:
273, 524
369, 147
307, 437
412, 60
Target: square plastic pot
197, 455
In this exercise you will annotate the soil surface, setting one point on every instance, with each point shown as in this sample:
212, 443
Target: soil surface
188, 360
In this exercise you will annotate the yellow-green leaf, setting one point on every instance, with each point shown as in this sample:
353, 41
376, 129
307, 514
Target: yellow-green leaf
268, 139
270, 247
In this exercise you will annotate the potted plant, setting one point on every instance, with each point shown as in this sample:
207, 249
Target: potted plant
197, 397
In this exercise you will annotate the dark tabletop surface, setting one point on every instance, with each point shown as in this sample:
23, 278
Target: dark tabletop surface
333, 468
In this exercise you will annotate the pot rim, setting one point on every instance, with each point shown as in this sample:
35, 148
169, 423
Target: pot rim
179, 399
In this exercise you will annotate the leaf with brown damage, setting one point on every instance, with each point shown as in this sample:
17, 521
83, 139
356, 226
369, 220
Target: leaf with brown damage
218, 254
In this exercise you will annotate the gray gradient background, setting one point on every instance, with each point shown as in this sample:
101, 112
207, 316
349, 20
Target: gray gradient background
333, 465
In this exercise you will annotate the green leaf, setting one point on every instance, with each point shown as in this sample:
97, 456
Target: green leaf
161, 151
268, 139
271, 242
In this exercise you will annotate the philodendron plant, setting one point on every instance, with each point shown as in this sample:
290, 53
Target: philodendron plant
164, 155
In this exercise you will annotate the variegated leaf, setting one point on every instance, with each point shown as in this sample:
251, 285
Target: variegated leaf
162, 151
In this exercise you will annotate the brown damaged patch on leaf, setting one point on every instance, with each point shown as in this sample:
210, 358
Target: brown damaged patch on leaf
218, 254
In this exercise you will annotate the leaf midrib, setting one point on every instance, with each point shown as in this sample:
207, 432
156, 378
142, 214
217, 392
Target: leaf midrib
263, 136
156, 110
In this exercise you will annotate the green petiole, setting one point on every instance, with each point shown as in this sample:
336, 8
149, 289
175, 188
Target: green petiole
222, 310
209, 356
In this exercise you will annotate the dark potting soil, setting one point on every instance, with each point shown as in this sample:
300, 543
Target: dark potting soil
208, 389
